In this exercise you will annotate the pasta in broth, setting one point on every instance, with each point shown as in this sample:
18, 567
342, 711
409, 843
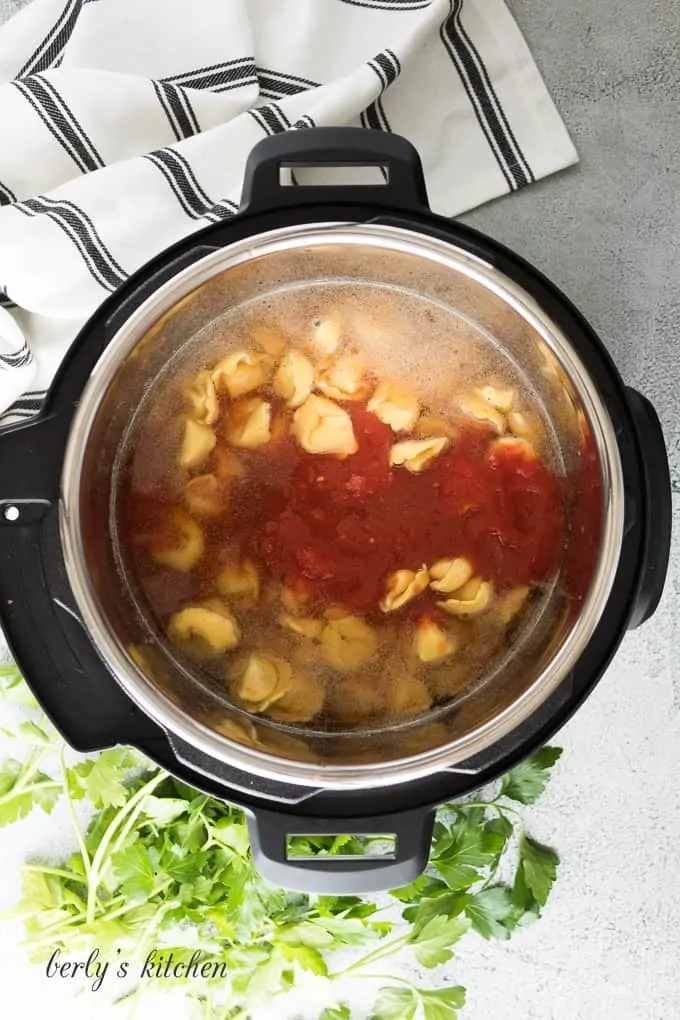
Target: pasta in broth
334, 537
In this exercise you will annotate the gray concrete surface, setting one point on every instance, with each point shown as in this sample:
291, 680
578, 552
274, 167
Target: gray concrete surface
607, 232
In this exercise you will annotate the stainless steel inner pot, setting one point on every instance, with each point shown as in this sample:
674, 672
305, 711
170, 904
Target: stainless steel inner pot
201, 717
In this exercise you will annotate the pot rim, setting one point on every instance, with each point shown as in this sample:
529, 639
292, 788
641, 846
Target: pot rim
159, 706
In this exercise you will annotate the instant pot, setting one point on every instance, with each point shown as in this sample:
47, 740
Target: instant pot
63, 602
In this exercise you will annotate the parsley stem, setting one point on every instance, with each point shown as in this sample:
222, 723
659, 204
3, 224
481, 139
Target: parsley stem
44, 869
384, 977
18, 790
382, 953
491, 804
103, 848
74, 818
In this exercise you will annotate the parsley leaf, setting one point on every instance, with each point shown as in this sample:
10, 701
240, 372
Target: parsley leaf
488, 911
135, 871
526, 782
306, 956
341, 1012
460, 857
431, 942
395, 1004
442, 1004
539, 867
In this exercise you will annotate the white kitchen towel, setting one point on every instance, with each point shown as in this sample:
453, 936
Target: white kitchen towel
125, 125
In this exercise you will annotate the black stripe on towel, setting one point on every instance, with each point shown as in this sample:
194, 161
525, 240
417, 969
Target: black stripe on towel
60, 121
386, 66
5, 301
389, 5
221, 211
7, 196
271, 118
232, 74
78, 226
277, 84
54, 42
177, 109
17, 359
305, 122
482, 96
182, 180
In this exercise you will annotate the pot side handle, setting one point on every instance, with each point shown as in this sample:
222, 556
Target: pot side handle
31, 456
656, 508
411, 832
403, 185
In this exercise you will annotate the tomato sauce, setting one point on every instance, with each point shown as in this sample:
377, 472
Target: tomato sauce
338, 528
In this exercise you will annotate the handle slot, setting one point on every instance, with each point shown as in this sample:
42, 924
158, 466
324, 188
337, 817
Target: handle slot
301, 846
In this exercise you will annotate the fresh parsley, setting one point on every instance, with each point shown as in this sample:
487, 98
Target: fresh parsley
164, 869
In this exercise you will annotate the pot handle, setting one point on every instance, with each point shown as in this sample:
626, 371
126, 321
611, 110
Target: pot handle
656, 509
403, 186
30, 467
338, 875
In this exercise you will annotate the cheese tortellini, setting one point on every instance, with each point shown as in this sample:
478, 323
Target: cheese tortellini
402, 586
417, 454
344, 379
474, 597
475, 406
348, 642
320, 426
202, 397
449, 575
249, 423
396, 405
294, 379
241, 372
179, 544
205, 496
204, 631
267, 683
325, 334
197, 445
241, 582
432, 644
408, 696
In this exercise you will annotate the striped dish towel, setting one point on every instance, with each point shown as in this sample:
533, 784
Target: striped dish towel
125, 125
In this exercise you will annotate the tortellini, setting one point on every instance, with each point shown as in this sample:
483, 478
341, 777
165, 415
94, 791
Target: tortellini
259, 680
348, 642
417, 454
241, 372
269, 338
204, 631
515, 446
474, 597
294, 379
325, 334
240, 581
205, 496
344, 379
498, 397
475, 406
526, 426
179, 544
203, 398
320, 426
431, 643
402, 586
408, 696
448, 575
304, 626
396, 405
267, 683
249, 423
197, 444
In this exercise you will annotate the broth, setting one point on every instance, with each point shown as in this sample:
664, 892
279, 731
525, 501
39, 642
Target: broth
342, 505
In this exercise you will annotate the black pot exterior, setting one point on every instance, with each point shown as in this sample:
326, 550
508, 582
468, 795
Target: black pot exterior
80, 695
